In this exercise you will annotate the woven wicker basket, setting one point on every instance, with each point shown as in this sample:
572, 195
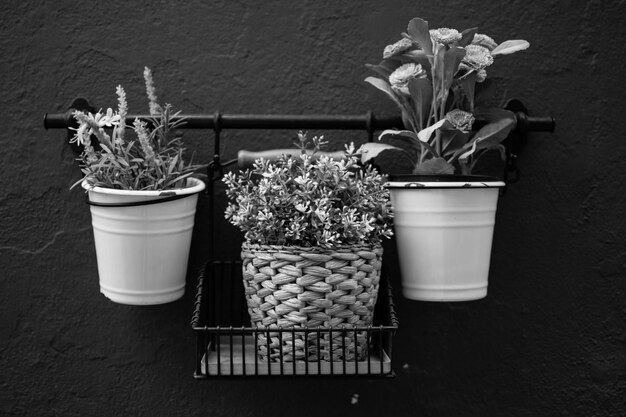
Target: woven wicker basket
294, 288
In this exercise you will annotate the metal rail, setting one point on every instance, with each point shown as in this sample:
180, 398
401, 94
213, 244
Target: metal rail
367, 121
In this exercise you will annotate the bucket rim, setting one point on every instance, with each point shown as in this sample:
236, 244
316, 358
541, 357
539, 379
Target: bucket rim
443, 181
134, 198
196, 186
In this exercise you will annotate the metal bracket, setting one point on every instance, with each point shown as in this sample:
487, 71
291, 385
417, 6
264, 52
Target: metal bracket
518, 138
67, 121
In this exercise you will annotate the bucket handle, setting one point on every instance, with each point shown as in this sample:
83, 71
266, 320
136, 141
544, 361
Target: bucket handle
139, 203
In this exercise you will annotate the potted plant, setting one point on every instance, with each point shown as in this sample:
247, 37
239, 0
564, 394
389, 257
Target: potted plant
444, 215
142, 198
312, 252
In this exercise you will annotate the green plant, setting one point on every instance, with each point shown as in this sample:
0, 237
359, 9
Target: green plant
151, 160
435, 78
309, 200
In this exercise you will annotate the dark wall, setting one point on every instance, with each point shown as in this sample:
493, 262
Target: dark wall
548, 340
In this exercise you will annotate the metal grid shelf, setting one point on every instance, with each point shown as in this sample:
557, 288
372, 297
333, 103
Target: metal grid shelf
227, 345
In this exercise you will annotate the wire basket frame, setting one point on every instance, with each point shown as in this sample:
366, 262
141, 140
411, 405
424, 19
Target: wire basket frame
227, 344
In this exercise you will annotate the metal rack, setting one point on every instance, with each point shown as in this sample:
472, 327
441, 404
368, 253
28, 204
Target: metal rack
226, 344
367, 122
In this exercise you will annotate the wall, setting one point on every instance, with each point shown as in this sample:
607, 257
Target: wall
549, 338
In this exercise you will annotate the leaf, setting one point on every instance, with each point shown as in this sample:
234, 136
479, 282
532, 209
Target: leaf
372, 150
465, 155
175, 180
378, 70
451, 61
425, 134
406, 137
500, 122
467, 37
406, 119
436, 166
438, 73
105, 148
386, 67
493, 133
502, 149
383, 86
508, 47
452, 139
172, 165
484, 92
468, 88
418, 31
390, 64
421, 90
492, 114
417, 56
402, 134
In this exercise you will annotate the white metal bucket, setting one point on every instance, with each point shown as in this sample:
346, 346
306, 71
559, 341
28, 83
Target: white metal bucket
444, 232
143, 250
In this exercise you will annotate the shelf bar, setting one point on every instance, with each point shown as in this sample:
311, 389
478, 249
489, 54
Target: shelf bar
255, 121
367, 121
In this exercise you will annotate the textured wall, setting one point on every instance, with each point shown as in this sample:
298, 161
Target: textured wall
548, 340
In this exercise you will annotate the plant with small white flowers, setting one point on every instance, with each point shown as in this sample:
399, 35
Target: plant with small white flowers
434, 77
151, 161
310, 200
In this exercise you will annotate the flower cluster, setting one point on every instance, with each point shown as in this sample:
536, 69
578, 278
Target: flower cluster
433, 76
309, 200
154, 161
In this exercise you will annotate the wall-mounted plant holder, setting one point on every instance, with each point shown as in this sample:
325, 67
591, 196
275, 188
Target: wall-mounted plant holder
226, 344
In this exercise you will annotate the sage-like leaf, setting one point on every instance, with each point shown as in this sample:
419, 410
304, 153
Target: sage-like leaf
402, 134
484, 92
467, 37
492, 114
434, 166
425, 134
386, 67
371, 150
421, 90
487, 137
466, 154
390, 65
419, 32
493, 133
508, 47
378, 70
451, 60
468, 87
418, 56
453, 139
383, 86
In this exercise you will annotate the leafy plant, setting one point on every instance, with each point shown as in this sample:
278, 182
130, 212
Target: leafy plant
434, 77
151, 160
309, 200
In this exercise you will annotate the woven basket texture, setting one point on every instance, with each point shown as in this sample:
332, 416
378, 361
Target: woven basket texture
322, 290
